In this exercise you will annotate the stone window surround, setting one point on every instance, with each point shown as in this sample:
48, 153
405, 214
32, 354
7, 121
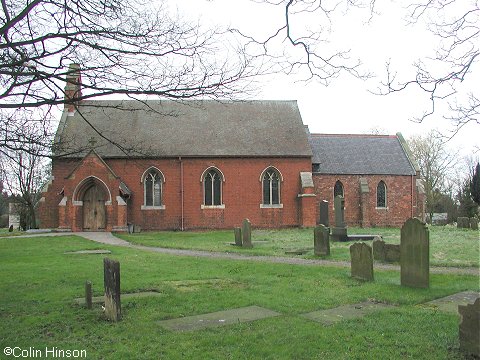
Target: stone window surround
280, 178
162, 181
202, 181
386, 198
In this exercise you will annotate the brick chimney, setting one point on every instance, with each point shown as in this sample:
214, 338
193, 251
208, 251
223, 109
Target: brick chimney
73, 87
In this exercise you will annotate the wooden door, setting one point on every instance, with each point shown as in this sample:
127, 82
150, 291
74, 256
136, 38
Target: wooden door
94, 218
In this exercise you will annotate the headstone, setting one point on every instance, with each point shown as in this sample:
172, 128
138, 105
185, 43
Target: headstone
339, 232
378, 249
10, 228
415, 254
321, 240
469, 328
361, 261
88, 294
474, 223
324, 213
238, 236
392, 252
111, 279
247, 234
463, 222
137, 229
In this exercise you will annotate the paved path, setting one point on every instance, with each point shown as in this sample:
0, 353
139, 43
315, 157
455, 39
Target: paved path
108, 239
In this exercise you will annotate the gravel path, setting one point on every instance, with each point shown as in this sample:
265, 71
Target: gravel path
108, 239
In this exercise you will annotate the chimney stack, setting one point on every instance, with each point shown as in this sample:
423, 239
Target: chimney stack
73, 87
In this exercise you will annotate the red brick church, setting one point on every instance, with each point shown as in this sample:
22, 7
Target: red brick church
209, 164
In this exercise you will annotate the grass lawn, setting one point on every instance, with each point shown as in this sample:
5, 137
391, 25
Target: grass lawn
449, 246
38, 284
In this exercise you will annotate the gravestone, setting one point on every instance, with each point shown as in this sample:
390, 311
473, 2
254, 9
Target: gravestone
238, 236
88, 294
111, 280
392, 253
361, 261
469, 328
247, 234
463, 222
339, 232
415, 254
324, 213
378, 249
474, 223
10, 228
321, 240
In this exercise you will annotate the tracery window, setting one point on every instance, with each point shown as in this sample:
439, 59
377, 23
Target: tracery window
271, 187
212, 186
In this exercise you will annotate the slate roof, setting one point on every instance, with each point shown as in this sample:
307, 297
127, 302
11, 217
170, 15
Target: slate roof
190, 129
361, 154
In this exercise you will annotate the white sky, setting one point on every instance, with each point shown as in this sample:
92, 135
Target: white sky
346, 106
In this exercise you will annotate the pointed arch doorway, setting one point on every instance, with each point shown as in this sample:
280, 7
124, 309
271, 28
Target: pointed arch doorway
93, 195
94, 214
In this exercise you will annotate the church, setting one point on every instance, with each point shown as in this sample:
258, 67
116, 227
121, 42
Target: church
168, 165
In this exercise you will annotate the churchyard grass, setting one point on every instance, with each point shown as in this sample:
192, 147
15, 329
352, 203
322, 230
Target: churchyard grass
449, 246
39, 282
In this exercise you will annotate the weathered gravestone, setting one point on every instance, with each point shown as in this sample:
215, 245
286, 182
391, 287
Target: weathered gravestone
414, 254
247, 234
378, 246
474, 223
361, 261
463, 222
339, 232
321, 240
238, 236
385, 252
111, 280
88, 294
324, 213
469, 328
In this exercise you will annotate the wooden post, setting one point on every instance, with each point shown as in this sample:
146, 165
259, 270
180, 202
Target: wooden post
88, 294
111, 278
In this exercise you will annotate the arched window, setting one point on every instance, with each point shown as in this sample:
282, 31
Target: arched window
338, 189
152, 184
381, 195
212, 186
271, 187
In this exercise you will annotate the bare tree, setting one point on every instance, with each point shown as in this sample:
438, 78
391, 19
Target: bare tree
125, 47
24, 173
436, 166
444, 77
295, 47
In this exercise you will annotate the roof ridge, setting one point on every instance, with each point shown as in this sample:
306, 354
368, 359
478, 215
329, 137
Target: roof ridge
355, 135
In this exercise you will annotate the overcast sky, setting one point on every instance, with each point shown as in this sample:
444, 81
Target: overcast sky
346, 105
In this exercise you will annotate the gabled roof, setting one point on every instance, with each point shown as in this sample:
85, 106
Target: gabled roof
361, 154
196, 128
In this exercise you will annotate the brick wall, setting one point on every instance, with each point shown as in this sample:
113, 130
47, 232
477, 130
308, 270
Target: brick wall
401, 198
242, 192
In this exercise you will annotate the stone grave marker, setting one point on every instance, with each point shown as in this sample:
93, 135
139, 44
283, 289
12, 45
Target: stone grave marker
111, 279
392, 253
469, 328
321, 240
378, 246
324, 213
88, 294
415, 254
339, 232
238, 236
247, 234
474, 223
361, 261
463, 222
